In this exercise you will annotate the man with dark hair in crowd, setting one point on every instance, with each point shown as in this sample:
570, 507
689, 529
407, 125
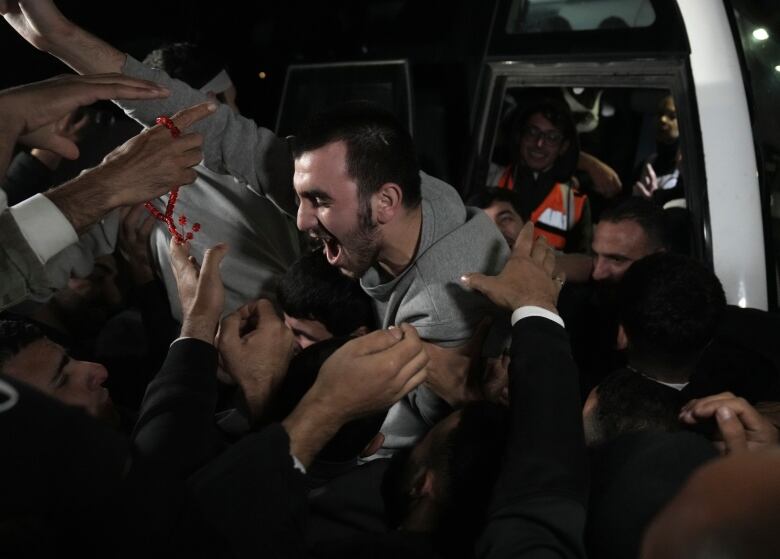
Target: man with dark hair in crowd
624, 234
546, 150
626, 402
28, 355
407, 235
669, 308
319, 302
503, 207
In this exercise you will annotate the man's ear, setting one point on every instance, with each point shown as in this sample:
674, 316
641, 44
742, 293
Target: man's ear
423, 484
387, 202
622, 340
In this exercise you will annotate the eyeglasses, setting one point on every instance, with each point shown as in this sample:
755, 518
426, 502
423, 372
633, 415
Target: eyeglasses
551, 137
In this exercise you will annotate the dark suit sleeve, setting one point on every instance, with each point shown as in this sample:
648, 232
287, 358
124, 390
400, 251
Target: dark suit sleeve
538, 507
175, 429
254, 497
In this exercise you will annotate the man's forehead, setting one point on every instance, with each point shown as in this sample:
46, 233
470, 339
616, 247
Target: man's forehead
625, 236
541, 122
324, 169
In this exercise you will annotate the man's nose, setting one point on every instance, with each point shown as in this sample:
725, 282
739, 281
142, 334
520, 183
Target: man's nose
600, 271
305, 219
95, 374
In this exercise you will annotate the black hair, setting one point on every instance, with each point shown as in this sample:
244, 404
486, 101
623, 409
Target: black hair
379, 149
15, 335
467, 462
352, 438
313, 289
630, 402
475, 451
669, 306
485, 197
644, 213
188, 62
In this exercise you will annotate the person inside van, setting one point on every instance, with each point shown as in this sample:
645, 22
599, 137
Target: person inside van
545, 152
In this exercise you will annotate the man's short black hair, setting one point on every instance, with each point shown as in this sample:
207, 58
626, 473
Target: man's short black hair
644, 213
189, 62
669, 306
347, 444
15, 335
312, 289
468, 462
630, 402
379, 148
485, 197
553, 109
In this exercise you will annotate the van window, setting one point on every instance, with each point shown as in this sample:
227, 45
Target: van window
545, 16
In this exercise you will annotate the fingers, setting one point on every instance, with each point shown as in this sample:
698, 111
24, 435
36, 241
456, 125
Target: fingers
731, 429
187, 117
374, 342
413, 373
524, 241
539, 250
229, 328
180, 253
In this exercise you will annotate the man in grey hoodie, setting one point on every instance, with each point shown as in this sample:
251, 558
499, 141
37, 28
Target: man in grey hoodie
406, 235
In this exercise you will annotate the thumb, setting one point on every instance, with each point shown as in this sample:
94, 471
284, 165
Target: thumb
374, 342
209, 269
731, 429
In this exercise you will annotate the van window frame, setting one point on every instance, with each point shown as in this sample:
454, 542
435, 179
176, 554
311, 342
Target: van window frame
672, 74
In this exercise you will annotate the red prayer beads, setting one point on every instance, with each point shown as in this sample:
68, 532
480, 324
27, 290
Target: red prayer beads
167, 217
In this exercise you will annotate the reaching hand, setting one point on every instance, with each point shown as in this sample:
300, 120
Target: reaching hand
741, 426
453, 372
201, 292
647, 183
526, 278
255, 347
27, 108
372, 372
154, 162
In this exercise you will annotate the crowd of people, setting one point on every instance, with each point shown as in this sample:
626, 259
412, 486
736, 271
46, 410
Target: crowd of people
219, 342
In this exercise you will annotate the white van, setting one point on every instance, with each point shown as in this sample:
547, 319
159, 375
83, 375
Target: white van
615, 59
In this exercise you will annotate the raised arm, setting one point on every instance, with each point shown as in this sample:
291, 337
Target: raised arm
232, 144
47, 29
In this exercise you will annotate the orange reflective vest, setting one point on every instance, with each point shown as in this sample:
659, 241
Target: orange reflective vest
560, 211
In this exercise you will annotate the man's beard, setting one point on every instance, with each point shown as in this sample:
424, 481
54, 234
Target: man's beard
363, 248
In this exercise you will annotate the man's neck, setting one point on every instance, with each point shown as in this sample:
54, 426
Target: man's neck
666, 375
401, 241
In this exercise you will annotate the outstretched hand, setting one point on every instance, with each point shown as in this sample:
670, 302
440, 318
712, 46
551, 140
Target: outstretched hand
527, 277
365, 375
647, 183
256, 347
28, 108
201, 292
740, 425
